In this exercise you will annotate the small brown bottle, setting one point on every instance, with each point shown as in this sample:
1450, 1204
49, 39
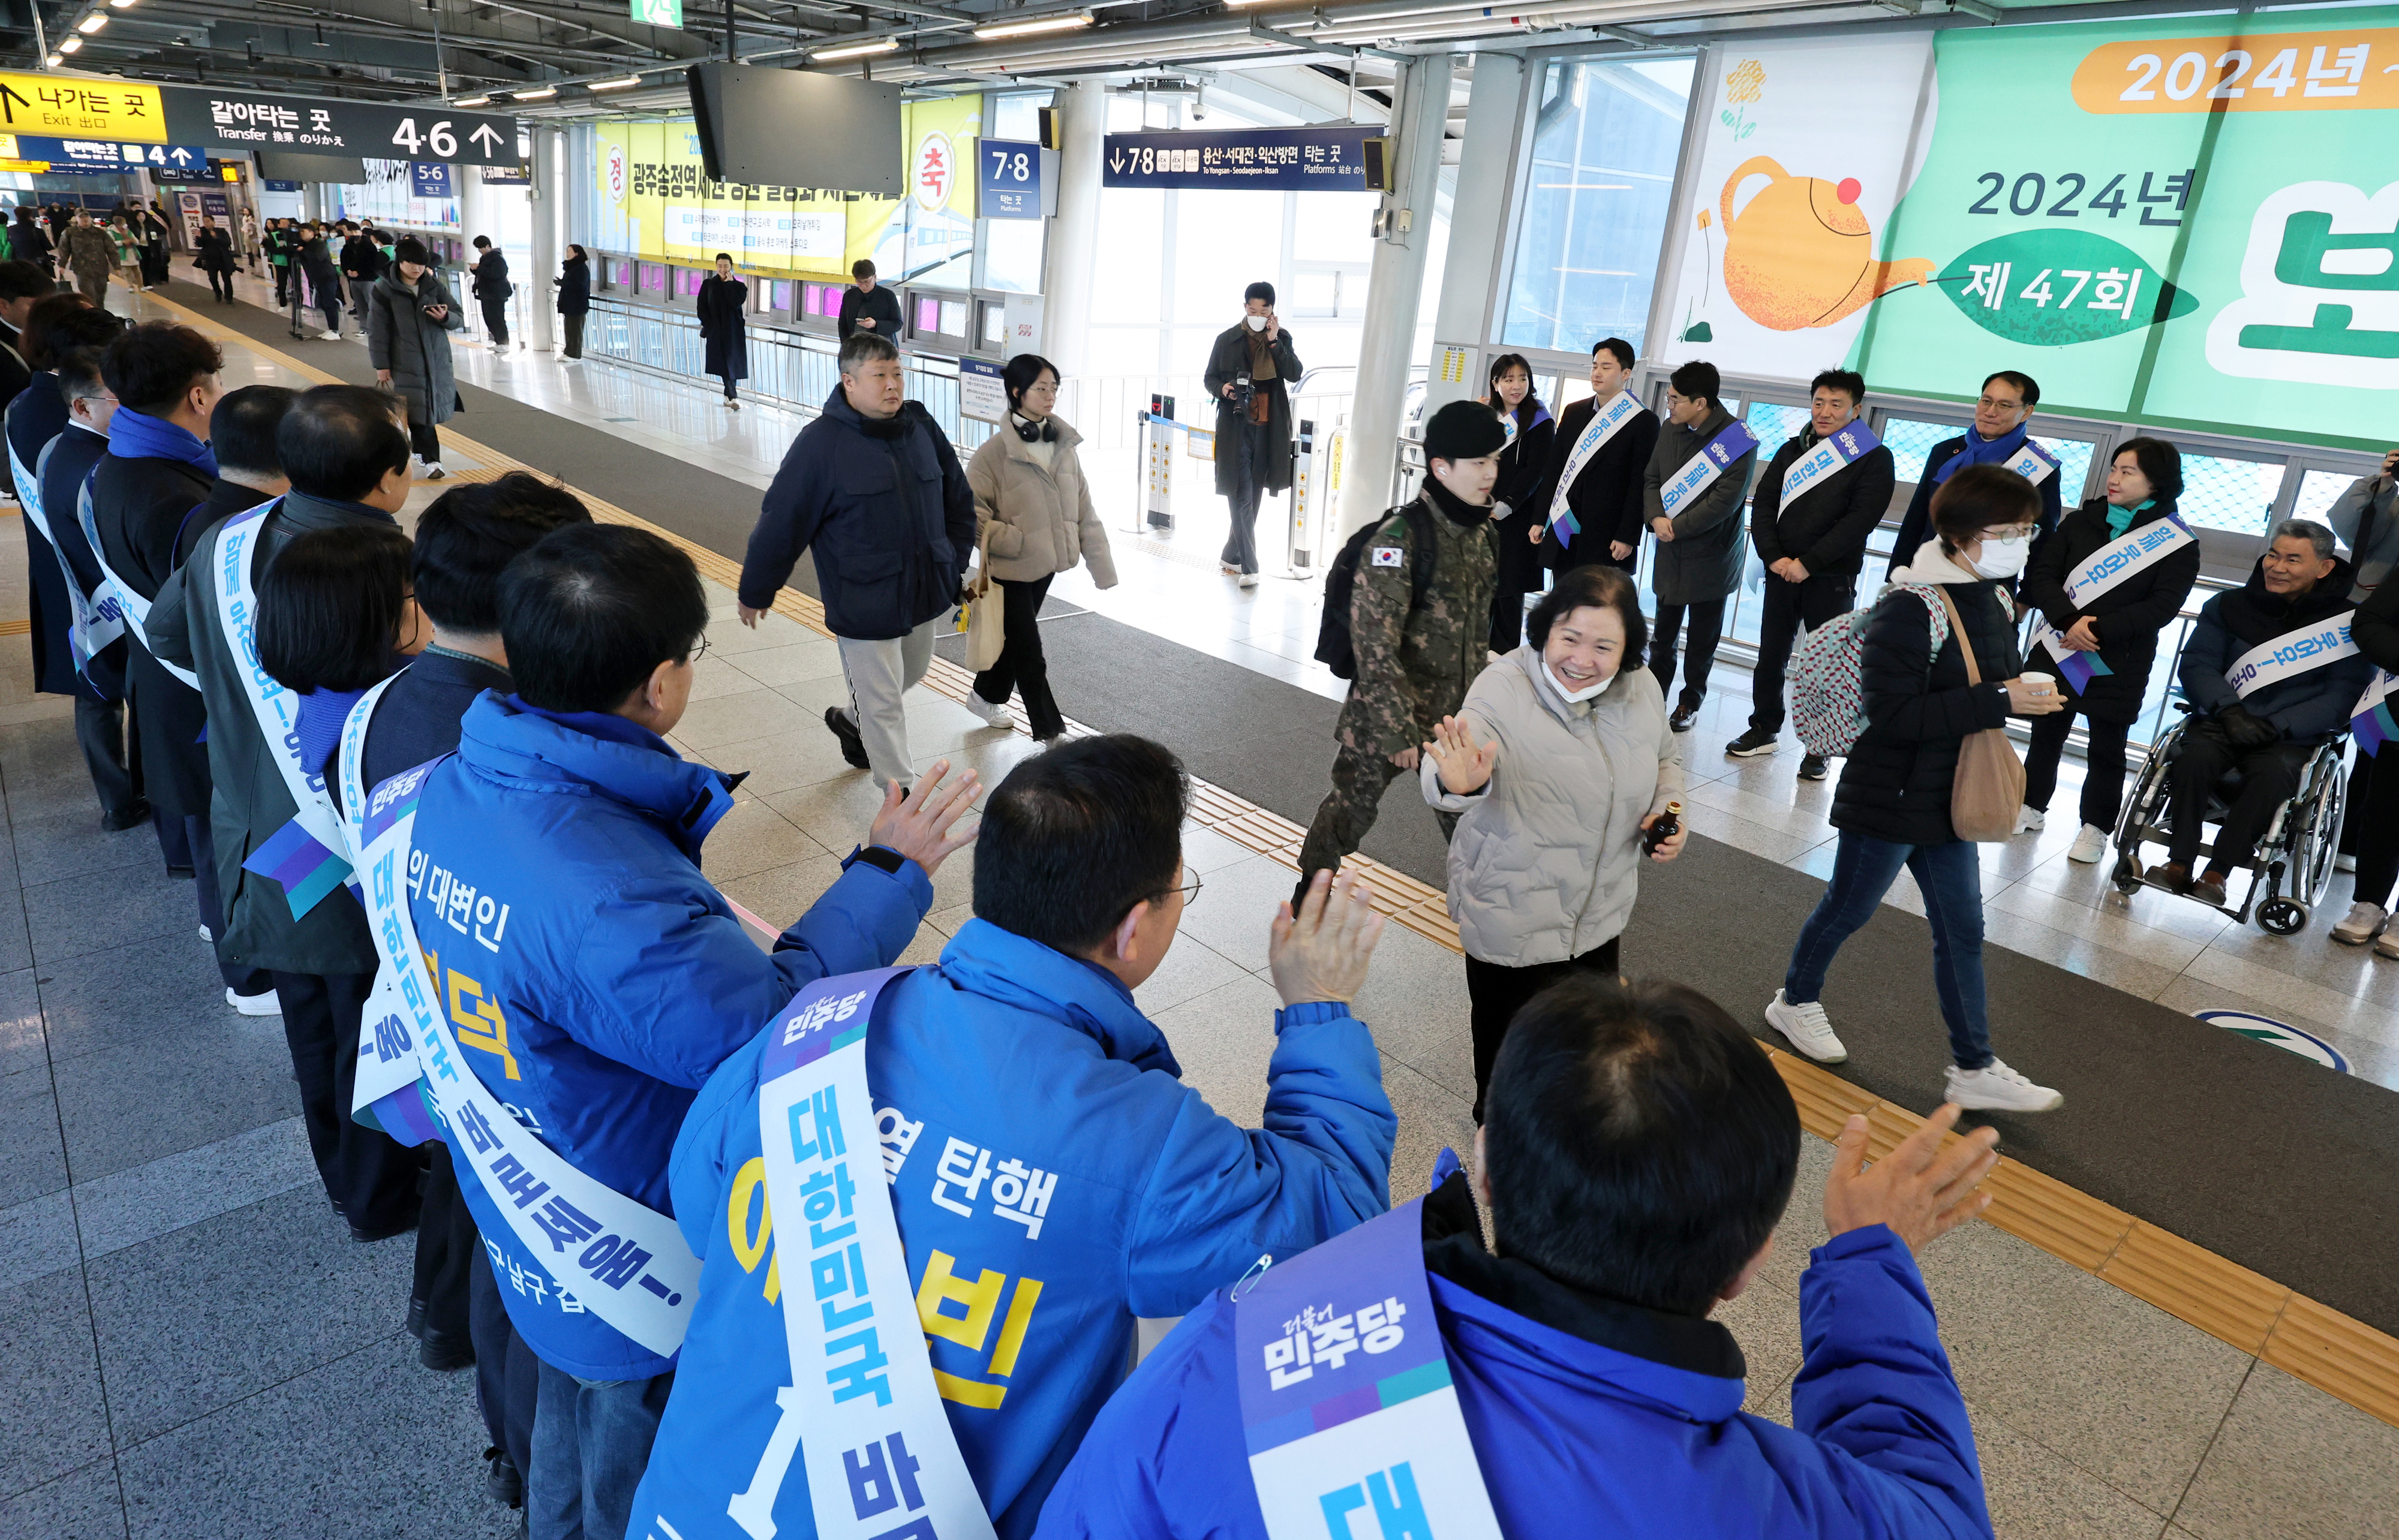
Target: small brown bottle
1668, 824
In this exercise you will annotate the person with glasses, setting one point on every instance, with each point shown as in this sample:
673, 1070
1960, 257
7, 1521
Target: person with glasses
2001, 415
1053, 1176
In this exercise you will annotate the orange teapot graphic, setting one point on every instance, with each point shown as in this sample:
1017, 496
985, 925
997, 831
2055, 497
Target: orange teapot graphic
1800, 253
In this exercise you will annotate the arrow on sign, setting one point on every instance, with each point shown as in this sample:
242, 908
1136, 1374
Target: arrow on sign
182, 157
485, 137
10, 102
1116, 162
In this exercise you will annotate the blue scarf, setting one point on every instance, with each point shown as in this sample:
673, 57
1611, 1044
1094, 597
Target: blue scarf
137, 436
2121, 519
1980, 450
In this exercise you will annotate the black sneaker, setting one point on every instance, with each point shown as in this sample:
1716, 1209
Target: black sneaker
445, 1352
1812, 767
853, 748
502, 1482
1749, 745
1683, 718
132, 815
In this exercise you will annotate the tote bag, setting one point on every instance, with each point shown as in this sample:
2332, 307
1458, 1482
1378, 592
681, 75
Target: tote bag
986, 619
1989, 785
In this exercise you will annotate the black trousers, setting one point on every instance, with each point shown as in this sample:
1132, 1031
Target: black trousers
1022, 667
1707, 628
425, 442
507, 1374
1497, 993
573, 335
2103, 780
2370, 829
115, 761
495, 321
221, 285
446, 1243
282, 284
2269, 777
732, 391
1788, 607
370, 1176
202, 843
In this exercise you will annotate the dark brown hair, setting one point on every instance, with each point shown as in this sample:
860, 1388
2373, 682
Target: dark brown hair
1594, 587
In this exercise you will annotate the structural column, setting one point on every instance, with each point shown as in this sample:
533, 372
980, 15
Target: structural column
548, 196
1486, 163
1075, 232
1395, 289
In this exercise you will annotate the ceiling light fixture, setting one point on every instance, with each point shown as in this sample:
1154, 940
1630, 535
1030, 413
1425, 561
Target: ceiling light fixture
614, 84
52, 63
542, 95
472, 101
1028, 26
71, 44
122, 4
855, 50
90, 24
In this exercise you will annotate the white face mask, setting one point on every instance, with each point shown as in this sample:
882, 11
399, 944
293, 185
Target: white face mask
1257, 323
2002, 558
1571, 697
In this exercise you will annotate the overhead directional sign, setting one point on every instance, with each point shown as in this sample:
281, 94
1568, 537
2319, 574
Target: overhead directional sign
103, 154
1009, 173
67, 106
245, 120
1307, 160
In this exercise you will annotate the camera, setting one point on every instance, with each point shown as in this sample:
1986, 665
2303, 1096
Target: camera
1244, 392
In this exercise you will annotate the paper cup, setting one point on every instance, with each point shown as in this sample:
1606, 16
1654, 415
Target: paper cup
2047, 682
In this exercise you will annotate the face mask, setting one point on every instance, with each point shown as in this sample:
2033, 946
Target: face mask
2002, 558
1571, 697
1257, 323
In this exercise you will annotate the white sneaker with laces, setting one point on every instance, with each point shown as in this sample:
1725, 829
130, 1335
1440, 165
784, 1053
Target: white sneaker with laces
995, 716
264, 1002
208, 936
435, 473
1249, 580
1995, 1087
2363, 924
1809, 1030
2030, 820
2089, 845
329, 336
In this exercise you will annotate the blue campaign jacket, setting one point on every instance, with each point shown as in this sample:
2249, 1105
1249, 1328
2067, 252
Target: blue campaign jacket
595, 977
2312, 704
1577, 1437
1012, 1060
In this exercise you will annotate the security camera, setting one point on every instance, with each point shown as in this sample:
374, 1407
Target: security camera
1200, 103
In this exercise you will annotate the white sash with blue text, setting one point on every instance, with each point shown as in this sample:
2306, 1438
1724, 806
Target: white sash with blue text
621, 1260
89, 626
862, 1410
2113, 564
387, 1062
1831, 453
1700, 471
277, 709
114, 591
2292, 653
1604, 425
2032, 461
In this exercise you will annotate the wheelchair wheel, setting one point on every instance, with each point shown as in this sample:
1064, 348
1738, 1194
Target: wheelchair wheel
2282, 916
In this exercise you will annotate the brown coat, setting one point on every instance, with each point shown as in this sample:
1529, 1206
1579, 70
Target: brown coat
1041, 522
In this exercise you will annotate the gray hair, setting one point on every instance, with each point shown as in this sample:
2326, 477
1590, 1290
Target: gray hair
864, 348
2307, 530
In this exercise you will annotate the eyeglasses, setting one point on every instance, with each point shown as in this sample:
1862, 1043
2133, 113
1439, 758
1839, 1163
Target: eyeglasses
1189, 890
700, 652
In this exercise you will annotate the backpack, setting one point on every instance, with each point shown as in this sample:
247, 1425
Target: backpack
1333, 646
1828, 705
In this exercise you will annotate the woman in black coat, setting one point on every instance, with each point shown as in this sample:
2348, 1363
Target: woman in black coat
574, 297
213, 255
722, 300
2120, 626
1530, 431
1892, 807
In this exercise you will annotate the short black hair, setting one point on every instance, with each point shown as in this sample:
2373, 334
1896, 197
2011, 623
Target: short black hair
1979, 498
340, 441
2026, 385
24, 281
1696, 379
1023, 373
591, 609
242, 429
1638, 1143
1596, 587
2159, 460
330, 607
1076, 837
79, 372
723, 256
411, 250
1618, 345
482, 241
469, 535
861, 268
860, 348
1848, 381
151, 365
58, 322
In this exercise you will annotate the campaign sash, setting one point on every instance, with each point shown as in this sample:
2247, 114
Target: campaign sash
1831, 453
1700, 471
1605, 423
2101, 571
2032, 461
621, 1260
862, 1409
89, 626
114, 592
2372, 723
2290, 654
385, 1092
303, 856
1346, 1403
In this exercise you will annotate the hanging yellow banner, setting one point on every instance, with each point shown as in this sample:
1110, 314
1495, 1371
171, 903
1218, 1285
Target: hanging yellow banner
62, 107
655, 199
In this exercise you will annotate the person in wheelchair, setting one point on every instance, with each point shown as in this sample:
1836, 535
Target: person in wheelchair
2270, 681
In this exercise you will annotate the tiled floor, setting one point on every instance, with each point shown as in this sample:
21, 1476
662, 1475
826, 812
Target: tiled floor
197, 1349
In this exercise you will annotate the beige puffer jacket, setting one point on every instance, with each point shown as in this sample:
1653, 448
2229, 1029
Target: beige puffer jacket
1547, 854
1041, 520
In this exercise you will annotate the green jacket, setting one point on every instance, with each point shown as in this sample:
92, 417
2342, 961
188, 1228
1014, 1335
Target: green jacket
1415, 661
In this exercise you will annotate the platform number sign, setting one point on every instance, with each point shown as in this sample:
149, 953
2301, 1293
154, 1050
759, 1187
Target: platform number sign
1010, 178
437, 141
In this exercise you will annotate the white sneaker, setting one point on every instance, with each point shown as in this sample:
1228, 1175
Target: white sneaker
1996, 1087
2030, 820
2364, 923
2089, 845
435, 473
994, 716
1249, 580
329, 336
1807, 1028
264, 1002
208, 936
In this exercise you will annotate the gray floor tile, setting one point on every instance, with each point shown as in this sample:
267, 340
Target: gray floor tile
2293, 1463
835, 813
32, 1161
1432, 1118
783, 762
24, 1043
142, 996
52, 1414
202, 1316
2037, 1494
1191, 969
368, 1447
37, 1238
109, 1104
782, 894
104, 910
1764, 1321
81, 1505
1233, 913
752, 838
1223, 1040
1415, 998
130, 1207
69, 843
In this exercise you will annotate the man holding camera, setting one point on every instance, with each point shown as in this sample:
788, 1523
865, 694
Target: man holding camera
1251, 370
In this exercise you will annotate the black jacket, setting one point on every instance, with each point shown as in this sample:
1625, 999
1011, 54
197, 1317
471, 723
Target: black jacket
1917, 523
721, 304
15, 373
1826, 526
1606, 497
213, 251
363, 259
2374, 626
574, 286
2128, 616
488, 279
29, 242
148, 512
2307, 706
77, 450
886, 509
1228, 358
418, 718
881, 307
1523, 465
1896, 784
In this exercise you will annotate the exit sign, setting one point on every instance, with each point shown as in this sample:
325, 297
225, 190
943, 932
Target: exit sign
658, 13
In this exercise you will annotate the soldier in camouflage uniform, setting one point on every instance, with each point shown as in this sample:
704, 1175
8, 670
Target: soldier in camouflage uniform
1415, 660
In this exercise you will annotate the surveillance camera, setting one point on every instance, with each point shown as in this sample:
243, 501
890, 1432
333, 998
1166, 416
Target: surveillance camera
1200, 103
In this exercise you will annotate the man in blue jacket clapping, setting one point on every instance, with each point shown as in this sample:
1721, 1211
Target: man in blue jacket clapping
595, 977
1637, 1152
1051, 1176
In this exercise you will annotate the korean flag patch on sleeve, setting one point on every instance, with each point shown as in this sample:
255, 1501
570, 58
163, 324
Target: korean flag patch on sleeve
1385, 556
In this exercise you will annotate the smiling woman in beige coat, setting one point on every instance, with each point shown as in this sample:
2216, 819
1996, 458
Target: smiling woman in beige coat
1033, 505
1556, 763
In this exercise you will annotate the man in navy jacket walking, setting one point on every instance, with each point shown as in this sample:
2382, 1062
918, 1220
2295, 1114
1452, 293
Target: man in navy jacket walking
875, 488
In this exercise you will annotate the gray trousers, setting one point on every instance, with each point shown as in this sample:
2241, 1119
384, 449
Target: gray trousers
879, 673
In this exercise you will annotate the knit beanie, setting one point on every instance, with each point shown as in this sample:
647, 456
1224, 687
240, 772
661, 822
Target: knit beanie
1464, 430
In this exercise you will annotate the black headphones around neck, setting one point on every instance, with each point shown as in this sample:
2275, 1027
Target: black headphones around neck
1043, 432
